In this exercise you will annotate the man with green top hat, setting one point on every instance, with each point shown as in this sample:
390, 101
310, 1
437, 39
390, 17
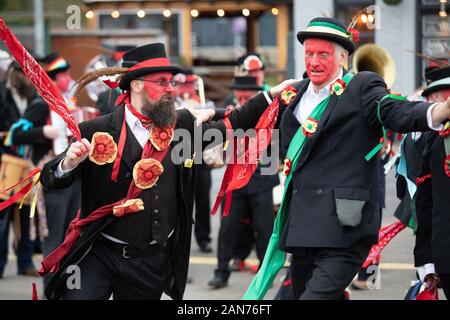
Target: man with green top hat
331, 132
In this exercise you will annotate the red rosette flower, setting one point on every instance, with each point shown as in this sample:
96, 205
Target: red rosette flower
338, 87
146, 172
447, 166
354, 35
310, 127
104, 149
288, 94
445, 132
161, 138
129, 206
287, 167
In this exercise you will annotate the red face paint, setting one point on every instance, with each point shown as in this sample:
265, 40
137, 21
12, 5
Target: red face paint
242, 96
320, 61
62, 81
446, 94
153, 87
259, 75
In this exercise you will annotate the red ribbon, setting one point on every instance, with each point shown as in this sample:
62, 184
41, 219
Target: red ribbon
39, 78
422, 180
34, 294
22, 192
151, 63
385, 235
238, 174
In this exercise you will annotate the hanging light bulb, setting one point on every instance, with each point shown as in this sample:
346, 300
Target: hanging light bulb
141, 13
90, 14
115, 14
167, 13
275, 11
246, 12
220, 12
194, 13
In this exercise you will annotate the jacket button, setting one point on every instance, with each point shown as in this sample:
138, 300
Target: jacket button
156, 197
156, 223
156, 211
319, 191
294, 191
128, 175
320, 169
329, 144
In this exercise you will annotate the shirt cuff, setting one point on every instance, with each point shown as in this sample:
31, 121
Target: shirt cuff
267, 96
425, 270
430, 118
59, 170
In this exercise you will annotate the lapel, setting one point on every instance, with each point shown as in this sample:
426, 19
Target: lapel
290, 122
311, 141
132, 150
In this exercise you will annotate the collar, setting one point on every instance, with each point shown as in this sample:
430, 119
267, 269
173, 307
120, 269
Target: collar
132, 120
325, 90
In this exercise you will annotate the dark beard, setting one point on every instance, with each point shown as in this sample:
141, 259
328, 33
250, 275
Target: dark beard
162, 113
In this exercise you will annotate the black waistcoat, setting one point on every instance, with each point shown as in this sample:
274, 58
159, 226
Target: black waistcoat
159, 217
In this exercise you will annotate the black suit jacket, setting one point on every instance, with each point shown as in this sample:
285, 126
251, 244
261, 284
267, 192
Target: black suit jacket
332, 176
433, 209
98, 189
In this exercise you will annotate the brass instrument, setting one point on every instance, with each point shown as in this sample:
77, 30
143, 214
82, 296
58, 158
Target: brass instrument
370, 57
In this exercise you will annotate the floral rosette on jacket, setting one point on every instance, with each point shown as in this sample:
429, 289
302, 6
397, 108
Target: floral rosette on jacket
146, 173
104, 149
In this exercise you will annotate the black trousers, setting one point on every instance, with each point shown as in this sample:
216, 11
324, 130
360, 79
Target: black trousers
324, 273
61, 208
105, 271
260, 208
202, 228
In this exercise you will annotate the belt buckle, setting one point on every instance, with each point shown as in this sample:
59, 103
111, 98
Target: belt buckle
124, 252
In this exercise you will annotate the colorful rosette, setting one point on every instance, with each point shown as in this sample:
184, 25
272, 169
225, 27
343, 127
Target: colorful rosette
310, 127
288, 95
104, 149
161, 138
354, 35
146, 172
338, 87
287, 167
445, 132
129, 206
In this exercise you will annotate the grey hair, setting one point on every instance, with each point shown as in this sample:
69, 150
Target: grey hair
340, 51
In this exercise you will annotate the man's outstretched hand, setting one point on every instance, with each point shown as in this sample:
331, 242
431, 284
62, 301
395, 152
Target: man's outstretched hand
275, 91
77, 153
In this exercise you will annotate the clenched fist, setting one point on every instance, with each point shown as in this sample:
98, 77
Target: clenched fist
77, 153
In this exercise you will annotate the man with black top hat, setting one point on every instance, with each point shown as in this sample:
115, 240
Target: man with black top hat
330, 132
431, 253
47, 136
132, 236
253, 202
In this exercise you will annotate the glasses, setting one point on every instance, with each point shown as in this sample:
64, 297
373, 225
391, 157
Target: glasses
162, 83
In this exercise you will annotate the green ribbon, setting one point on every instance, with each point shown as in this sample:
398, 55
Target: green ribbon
377, 149
274, 258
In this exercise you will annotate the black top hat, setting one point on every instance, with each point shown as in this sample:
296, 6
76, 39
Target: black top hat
245, 83
328, 29
437, 79
54, 64
250, 62
143, 60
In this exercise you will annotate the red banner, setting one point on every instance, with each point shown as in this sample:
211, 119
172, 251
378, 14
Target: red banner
39, 78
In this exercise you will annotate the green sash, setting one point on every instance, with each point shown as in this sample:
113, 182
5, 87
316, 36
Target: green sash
274, 258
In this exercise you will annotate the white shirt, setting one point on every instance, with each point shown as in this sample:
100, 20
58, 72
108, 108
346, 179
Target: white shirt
311, 99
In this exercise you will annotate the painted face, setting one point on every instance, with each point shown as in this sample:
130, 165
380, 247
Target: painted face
186, 90
157, 85
259, 75
320, 61
439, 96
242, 96
62, 81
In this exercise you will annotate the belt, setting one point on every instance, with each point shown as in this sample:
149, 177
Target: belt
127, 251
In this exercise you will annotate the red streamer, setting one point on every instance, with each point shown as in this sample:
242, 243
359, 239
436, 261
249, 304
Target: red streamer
34, 294
39, 78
